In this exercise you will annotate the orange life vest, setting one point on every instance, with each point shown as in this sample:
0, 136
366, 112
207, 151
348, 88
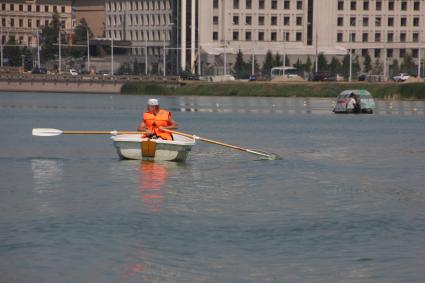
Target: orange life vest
161, 119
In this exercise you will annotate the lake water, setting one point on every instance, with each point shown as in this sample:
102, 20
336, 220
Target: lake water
346, 203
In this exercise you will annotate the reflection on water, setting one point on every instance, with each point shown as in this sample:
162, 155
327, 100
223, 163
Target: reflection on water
152, 180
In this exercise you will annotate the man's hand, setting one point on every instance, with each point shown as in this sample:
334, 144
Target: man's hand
149, 133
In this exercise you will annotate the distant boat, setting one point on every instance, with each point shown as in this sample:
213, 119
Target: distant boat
135, 147
367, 103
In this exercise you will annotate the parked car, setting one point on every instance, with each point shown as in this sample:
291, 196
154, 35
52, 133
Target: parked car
37, 70
363, 97
73, 72
401, 77
362, 77
252, 78
324, 77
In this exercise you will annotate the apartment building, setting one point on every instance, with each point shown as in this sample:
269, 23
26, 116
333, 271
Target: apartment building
144, 23
93, 11
20, 19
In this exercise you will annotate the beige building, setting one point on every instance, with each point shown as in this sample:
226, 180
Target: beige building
301, 28
93, 11
20, 19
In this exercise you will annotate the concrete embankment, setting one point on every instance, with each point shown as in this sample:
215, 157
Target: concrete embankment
306, 89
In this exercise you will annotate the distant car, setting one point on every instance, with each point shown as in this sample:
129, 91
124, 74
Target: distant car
73, 72
252, 78
367, 103
362, 77
37, 70
401, 77
324, 77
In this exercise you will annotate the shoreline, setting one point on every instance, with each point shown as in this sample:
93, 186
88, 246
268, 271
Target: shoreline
385, 91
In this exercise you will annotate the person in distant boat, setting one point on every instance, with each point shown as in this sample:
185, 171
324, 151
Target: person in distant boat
155, 120
352, 103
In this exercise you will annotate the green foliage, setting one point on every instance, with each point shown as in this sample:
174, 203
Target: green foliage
394, 68
346, 66
241, 69
367, 64
335, 66
49, 38
356, 66
322, 64
268, 64
28, 62
256, 66
13, 53
308, 65
378, 68
277, 62
408, 65
80, 37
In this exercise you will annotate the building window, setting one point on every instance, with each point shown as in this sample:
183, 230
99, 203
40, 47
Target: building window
274, 4
340, 5
353, 21
299, 36
3, 7
299, 21
378, 5
353, 5
248, 20
403, 5
365, 37
248, 4
340, 21
215, 4
236, 20
390, 37
248, 36
365, 52
30, 23
37, 8
390, 53
261, 36
339, 37
377, 52
63, 9
402, 37
366, 5
261, 20
215, 20
29, 8
21, 23
55, 9
286, 21
21, 7
416, 5
415, 37
415, 53
12, 22
390, 21
235, 4
299, 5
286, 5
261, 4
12, 7
286, 36
274, 21
377, 37
235, 35
403, 22
46, 23
215, 36
38, 23
402, 52
391, 5
378, 21
415, 22
273, 36
353, 37
365, 21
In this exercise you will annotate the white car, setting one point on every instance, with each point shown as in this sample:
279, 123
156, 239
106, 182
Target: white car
401, 77
73, 72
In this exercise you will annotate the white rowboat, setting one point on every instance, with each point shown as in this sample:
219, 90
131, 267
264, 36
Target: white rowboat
131, 146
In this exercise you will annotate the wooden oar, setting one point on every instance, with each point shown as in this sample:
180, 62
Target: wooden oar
269, 156
55, 132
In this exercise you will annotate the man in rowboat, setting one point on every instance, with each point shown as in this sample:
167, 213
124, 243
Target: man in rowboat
155, 120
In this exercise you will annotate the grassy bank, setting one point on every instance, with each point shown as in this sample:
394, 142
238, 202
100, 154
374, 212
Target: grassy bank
379, 90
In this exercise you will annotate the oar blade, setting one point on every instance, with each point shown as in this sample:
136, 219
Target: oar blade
265, 155
43, 132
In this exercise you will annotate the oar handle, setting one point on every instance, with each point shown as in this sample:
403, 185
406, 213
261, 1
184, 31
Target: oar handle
114, 133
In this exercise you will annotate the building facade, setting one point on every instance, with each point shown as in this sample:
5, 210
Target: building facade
93, 11
20, 19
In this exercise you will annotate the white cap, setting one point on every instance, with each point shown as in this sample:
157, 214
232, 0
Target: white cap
153, 102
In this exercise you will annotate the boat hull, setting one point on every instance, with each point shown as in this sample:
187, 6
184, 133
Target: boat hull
134, 147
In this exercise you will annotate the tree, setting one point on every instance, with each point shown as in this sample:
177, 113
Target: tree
321, 61
267, 64
240, 68
408, 65
28, 62
367, 63
356, 66
256, 66
394, 68
377, 67
49, 38
80, 37
335, 66
277, 62
13, 53
307, 65
346, 66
